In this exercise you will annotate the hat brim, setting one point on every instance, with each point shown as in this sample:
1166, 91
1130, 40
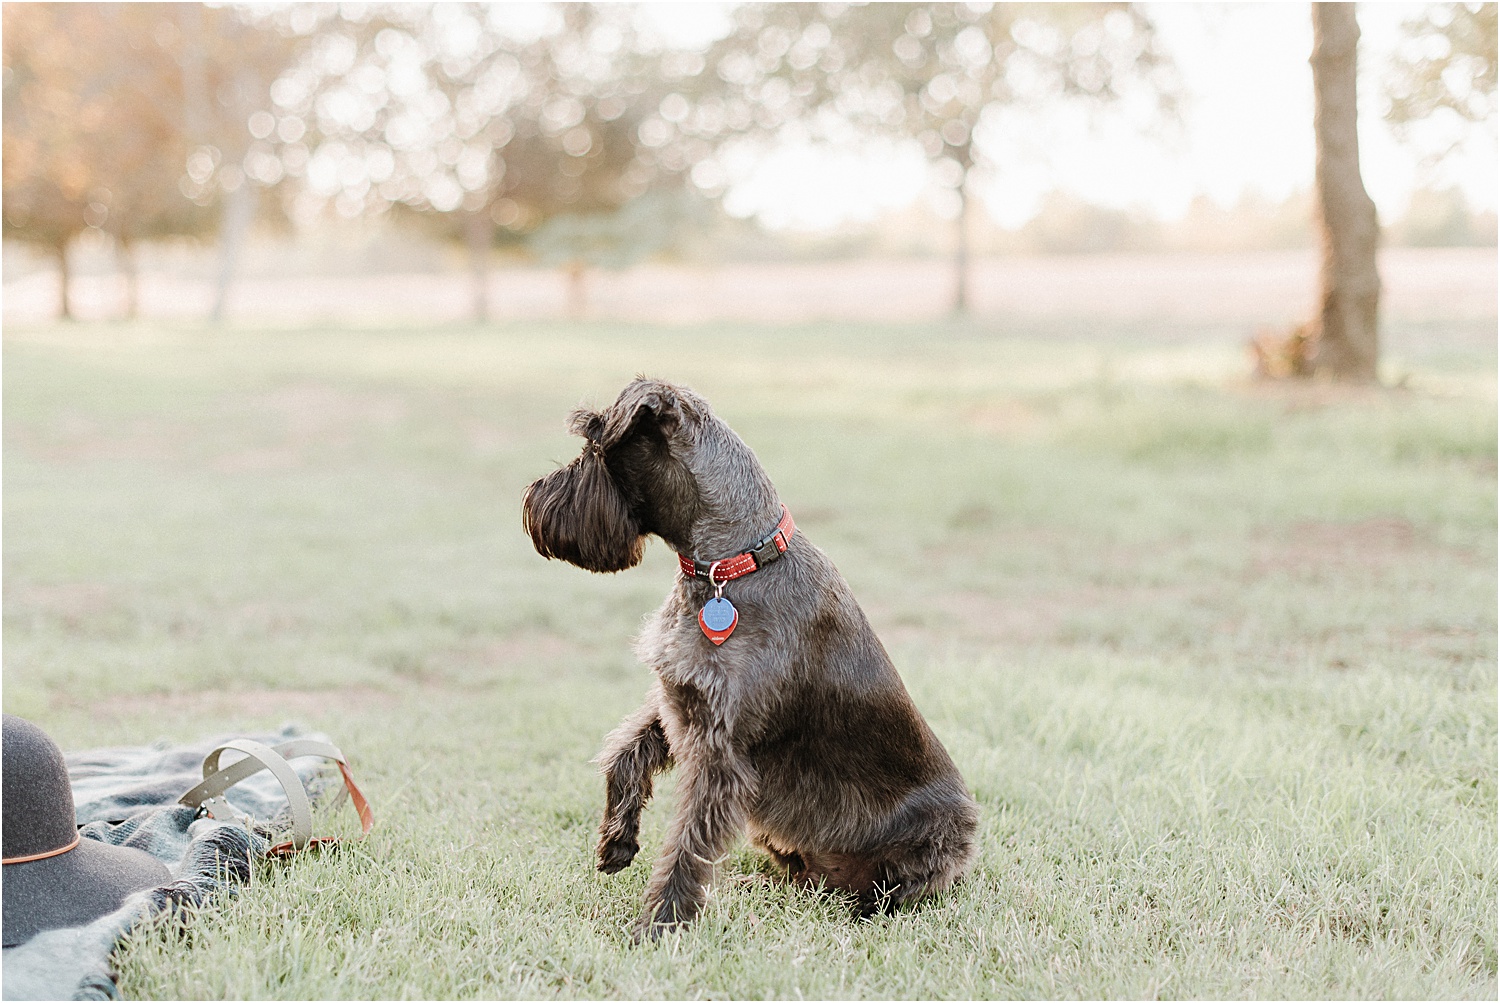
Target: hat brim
73, 888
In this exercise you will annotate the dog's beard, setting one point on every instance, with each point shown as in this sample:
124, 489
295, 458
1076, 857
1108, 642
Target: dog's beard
577, 514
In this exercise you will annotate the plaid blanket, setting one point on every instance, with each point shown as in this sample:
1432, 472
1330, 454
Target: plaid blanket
128, 797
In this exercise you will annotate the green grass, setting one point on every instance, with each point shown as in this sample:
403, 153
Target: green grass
1218, 660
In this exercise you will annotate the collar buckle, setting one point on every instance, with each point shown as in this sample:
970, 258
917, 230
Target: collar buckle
768, 551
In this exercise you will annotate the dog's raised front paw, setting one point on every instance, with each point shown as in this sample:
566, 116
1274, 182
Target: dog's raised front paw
616, 855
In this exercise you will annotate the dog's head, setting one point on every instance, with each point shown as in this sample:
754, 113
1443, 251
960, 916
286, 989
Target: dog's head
633, 478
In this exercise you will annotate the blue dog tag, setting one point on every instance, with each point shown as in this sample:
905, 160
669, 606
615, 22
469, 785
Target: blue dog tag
719, 614
718, 619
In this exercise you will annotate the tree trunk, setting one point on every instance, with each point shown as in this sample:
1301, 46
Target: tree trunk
64, 279
241, 201
961, 251
239, 210
129, 267
477, 235
578, 298
1347, 345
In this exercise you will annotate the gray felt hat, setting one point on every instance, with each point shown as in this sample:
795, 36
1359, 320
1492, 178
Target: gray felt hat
53, 878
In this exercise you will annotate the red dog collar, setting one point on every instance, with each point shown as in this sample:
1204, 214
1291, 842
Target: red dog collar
771, 546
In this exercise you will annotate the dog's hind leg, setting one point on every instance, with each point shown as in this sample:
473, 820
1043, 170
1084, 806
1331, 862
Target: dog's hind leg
632, 754
927, 846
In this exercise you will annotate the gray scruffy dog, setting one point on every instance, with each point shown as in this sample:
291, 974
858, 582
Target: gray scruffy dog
777, 703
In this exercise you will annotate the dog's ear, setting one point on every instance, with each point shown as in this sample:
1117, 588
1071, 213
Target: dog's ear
589, 424
577, 514
660, 406
655, 408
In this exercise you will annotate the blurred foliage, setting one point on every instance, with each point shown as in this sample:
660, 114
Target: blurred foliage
465, 110
123, 117
933, 72
1069, 225
644, 226
1442, 218
230, 59
477, 118
93, 124
532, 126
1440, 85
1447, 61
130, 118
941, 74
1254, 222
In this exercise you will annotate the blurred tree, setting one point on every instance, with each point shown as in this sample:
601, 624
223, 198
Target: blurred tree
1066, 224
936, 73
90, 140
1254, 222
482, 118
227, 59
142, 149
46, 117
1442, 217
613, 240
1440, 88
106, 106
1446, 62
1346, 343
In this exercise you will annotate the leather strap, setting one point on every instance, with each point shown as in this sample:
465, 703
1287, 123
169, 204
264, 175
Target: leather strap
770, 547
361, 807
45, 853
209, 794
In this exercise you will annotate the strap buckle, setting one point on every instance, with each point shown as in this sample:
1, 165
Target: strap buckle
209, 795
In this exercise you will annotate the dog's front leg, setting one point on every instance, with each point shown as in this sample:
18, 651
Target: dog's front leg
633, 753
715, 792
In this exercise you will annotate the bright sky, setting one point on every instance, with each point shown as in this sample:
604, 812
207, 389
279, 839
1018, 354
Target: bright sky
1248, 127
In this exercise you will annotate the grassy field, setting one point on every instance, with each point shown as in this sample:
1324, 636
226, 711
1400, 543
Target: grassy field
1217, 659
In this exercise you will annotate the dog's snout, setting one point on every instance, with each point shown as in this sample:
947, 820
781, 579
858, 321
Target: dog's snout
577, 514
